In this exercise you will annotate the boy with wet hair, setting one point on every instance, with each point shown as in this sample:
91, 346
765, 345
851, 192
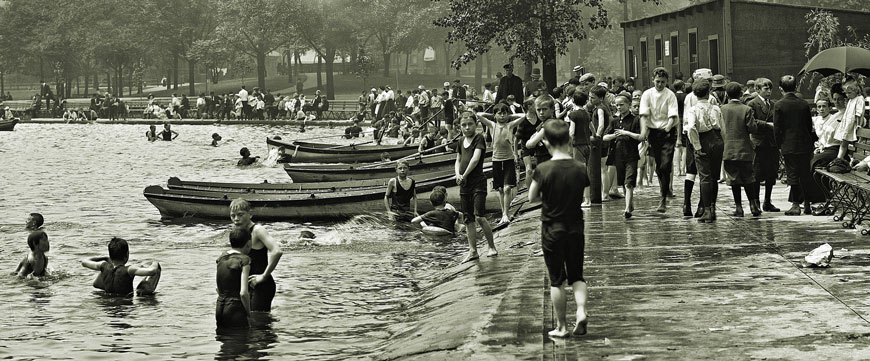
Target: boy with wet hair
441, 219
35, 264
558, 184
472, 185
116, 277
233, 304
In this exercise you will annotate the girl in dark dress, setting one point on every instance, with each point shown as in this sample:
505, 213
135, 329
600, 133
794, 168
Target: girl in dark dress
233, 268
264, 253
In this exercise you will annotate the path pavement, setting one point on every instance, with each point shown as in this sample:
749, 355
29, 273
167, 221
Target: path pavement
660, 287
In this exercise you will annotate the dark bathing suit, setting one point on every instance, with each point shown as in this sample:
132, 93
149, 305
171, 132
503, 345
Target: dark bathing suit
167, 136
114, 279
264, 292
229, 310
402, 198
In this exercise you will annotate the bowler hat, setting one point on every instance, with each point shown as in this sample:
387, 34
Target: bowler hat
536, 73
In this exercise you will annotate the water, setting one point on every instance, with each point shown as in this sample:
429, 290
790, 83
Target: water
335, 297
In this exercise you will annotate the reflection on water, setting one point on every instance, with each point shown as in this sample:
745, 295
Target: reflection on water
337, 295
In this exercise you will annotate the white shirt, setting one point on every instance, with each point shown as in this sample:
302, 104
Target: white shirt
659, 106
703, 117
410, 102
200, 101
488, 96
243, 95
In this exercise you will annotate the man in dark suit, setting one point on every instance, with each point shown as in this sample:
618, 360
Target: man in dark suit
510, 84
738, 122
765, 165
794, 134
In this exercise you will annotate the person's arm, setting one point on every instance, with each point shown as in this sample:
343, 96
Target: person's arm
275, 254
20, 266
534, 191
174, 134
535, 139
692, 132
143, 271
414, 200
389, 194
456, 167
673, 112
478, 153
484, 118
94, 263
778, 126
244, 294
418, 219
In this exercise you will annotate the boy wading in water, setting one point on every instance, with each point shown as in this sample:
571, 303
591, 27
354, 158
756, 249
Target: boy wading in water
264, 253
233, 268
116, 277
472, 185
400, 199
558, 184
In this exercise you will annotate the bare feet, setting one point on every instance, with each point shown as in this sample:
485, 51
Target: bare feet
561, 333
580, 327
586, 204
505, 219
470, 257
492, 252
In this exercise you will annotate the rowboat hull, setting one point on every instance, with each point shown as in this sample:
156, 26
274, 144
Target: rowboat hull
329, 175
339, 154
330, 206
8, 125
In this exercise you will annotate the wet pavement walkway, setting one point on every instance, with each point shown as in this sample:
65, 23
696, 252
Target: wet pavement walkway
661, 286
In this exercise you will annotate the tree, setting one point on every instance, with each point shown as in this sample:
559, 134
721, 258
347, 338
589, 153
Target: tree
325, 27
213, 55
531, 29
180, 25
255, 27
395, 24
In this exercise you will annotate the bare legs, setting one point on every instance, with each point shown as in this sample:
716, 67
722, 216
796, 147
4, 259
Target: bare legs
560, 304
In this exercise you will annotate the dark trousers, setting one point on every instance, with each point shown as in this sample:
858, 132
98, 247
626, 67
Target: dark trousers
709, 166
800, 178
661, 147
820, 161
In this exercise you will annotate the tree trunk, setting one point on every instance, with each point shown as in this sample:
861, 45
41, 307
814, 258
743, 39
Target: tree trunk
297, 56
175, 72
488, 67
87, 83
446, 59
109, 82
478, 74
191, 77
261, 70
2, 83
548, 57
96, 82
119, 79
289, 67
527, 70
330, 81
407, 60
319, 71
388, 57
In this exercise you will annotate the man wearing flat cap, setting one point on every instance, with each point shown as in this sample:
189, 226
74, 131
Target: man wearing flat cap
510, 84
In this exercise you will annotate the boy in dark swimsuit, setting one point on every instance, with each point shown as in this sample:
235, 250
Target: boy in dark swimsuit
116, 277
151, 134
440, 219
558, 184
472, 185
401, 195
265, 254
215, 138
233, 268
247, 159
167, 134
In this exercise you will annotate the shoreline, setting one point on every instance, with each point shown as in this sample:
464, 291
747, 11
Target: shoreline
142, 121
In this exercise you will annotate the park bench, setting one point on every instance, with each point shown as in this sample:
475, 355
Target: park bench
849, 193
341, 110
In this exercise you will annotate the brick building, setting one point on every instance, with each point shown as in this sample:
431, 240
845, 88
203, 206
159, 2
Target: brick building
741, 39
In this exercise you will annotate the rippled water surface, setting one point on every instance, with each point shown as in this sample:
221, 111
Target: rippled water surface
335, 297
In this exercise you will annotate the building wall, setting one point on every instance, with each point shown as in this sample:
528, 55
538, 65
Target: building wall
705, 20
769, 39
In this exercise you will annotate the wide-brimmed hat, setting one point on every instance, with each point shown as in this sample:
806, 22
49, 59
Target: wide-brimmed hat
702, 73
536, 73
718, 81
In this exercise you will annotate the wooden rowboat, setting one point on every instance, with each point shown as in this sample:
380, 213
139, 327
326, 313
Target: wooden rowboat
387, 170
176, 184
300, 206
339, 153
7, 125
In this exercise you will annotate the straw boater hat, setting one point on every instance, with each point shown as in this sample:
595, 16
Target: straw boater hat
446, 84
536, 73
718, 81
702, 73
577, 68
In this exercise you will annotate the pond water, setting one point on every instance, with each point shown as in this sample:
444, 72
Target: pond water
335, 300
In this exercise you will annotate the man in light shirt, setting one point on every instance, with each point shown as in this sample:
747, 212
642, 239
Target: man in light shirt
246, 108
660, 113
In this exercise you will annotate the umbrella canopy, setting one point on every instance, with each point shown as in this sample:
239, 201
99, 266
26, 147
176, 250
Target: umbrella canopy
840, 60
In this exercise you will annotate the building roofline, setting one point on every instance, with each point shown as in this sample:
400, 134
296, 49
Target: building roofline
623, 24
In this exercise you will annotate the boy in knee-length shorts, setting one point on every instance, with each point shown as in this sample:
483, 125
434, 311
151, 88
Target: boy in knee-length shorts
559, 184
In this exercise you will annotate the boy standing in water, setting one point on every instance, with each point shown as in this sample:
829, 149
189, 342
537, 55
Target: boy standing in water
401, 195
559, 184
116, 277
472, 185
35, 263
167, 133
265, 254
233, 268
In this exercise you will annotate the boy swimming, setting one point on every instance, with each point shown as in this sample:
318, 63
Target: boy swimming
441, 220
116, 277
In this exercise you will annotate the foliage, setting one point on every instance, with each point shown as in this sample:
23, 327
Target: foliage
824, 33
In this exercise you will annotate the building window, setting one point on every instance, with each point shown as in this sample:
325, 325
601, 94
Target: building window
713, 47
675, 53
644, 59
632, 62
693, 49
659, 51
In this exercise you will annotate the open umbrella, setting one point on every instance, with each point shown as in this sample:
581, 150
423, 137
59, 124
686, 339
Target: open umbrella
840, 60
